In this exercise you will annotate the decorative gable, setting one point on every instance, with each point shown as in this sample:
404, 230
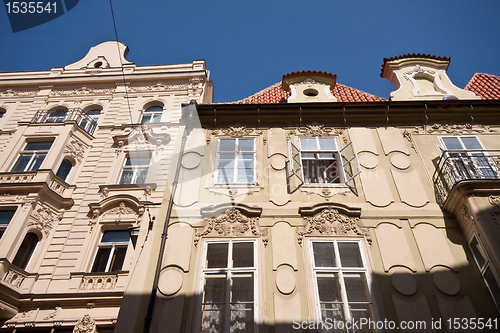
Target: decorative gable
309, 86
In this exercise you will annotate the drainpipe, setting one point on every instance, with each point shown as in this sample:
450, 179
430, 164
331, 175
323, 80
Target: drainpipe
188, 113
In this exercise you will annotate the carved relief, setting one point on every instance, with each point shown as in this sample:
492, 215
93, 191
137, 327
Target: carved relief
329, 222
495, 201
105, 282
14, 279
13, 198
120, 213
85, 325
453, 129
161, 86
319, 130
237, 131
53, 314
57, 186
75, 149
82, 91
141, 137
17, 93
232, 223
417, 69
467, 220
407, 136
17, 178
43, 219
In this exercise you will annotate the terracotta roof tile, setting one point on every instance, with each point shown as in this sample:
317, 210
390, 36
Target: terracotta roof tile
275, 94
485, 85
413, 55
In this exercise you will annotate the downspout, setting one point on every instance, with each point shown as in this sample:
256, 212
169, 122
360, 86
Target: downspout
188, 112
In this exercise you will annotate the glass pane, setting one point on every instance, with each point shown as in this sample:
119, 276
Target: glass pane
245, 161
478, 253
311, 156
359, 311
146, 118
452, 143
471, 142
215, 288
38, 146
214, 293
324, 254
217, 255
213, 318
225, 176
115, 236
350, 255
25, 251
136, 159
156, 118
243, 254
327, 144
118, 258
64, 169
328, 287
242, 287
227, 145
141, 176
6, 216
21, 163
226, 161
154, 108
492, 284
101, 259
308, 144
356, 288
244, 176
127, 177
326, 156
246, 145
241, 318
335, 313
36, 162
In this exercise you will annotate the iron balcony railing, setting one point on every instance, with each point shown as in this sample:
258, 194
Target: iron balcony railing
455, 166
83, 120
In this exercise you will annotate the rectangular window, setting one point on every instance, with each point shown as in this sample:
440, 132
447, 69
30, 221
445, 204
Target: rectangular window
5, 218
135, 169
229, 287
236, 161
32, 156
111, 251
484, 266
320, 161
341, 281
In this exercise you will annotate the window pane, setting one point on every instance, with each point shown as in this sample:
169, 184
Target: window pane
350, 255
359, 311
327, 144
37, 162
478, 253
242, 254
226, 161
324, 254
127, 177
246, 145
136, 159
217, 255
227, 145
21, 163
154, 108
242, 287
245, 161
241, 318
115, 236
38, 146
213, 318
471, 142
214, 293
328, 287
244, 176
215, 288
64, 169
6, 216
118, 258
336, 314
492, 284
141, 176
101, 259
25, 251
452, 143
308, 144
356, 288
146, 118
156, 118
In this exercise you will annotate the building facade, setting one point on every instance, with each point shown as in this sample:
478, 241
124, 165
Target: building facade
86, 150
311, 205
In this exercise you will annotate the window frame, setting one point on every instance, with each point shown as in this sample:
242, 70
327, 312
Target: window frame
135, 168
340, 271
33, 251
235, 161
56, 119
58, 175
33, 153
152, 114
229, 271
4, 226
336, 156
113, 246
86, 125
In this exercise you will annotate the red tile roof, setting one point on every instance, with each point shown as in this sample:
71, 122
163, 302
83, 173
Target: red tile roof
485, 85
413, 55
275, 94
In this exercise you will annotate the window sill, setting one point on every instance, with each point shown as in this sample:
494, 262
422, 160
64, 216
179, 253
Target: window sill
325, 190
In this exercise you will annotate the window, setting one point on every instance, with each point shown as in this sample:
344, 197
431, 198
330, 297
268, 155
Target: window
32, 156
467, 158
320, 161
236, 161
26, 250
56, 116
484, 266
64, 169
88, 120
152, 114
135, 169
229, 287
5, 218
111, 251
341, 281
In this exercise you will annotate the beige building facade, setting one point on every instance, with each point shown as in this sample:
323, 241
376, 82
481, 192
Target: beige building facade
86, 150
312, 206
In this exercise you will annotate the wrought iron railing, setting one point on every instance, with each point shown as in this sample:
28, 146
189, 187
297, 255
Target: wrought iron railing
459, 165
83, 120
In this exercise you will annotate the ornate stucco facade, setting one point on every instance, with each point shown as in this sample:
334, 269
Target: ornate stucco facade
86, 150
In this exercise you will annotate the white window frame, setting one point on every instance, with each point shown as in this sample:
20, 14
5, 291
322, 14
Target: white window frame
235, 161
340, 271
135, 168
113, 246
336, 156
84, 122
229, 271
33, 154
487, 264
153, 114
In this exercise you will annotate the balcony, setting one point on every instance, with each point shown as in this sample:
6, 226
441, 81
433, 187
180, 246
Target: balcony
84, 121
458, 166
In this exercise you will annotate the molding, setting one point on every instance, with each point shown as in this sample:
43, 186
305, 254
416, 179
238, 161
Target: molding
7, 93
44, 219
76, 149
450, 128
82, 91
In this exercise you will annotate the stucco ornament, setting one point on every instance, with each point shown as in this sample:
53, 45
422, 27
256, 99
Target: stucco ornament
121, 212
85, 325
17, 93
417, 69
162, 86
43, 219
329, 222
453, 129
82, 91
319, 130
232, 223
495, 201
237, 131
76, 149
467, 219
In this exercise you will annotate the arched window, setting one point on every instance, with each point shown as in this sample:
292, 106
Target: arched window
2, 112
152, 114
64, 169
88, 120
26, 250
56, 116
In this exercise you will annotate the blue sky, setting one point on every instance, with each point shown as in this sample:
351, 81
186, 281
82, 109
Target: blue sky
249, 45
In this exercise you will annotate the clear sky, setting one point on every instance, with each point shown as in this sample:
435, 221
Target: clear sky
249, 45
